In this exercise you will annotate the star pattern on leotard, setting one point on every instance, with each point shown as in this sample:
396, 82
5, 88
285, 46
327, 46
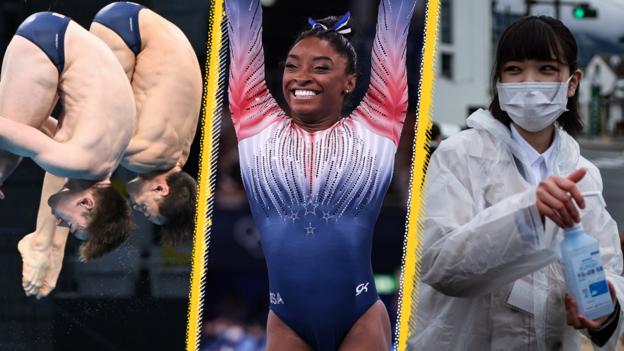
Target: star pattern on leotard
294, 215
309, 229
310, 207
327, 216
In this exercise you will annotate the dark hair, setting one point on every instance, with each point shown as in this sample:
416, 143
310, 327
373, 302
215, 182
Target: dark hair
178, 207
435, 131
537, 38
110, 223
340, 42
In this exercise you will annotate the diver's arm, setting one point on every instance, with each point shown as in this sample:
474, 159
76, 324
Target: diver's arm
251, 104
61, 159
9, 161
136, 146
49, 126
142, 156
384, 106
8, 164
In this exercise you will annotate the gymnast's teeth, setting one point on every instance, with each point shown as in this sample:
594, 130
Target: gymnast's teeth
304, 93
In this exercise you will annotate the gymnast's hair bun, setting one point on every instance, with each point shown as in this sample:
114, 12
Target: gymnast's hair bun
338, 31
341, 25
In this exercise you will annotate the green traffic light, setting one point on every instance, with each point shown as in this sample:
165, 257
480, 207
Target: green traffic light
579, 12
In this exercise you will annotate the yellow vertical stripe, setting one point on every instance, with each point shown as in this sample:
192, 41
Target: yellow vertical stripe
212, 103
408, 299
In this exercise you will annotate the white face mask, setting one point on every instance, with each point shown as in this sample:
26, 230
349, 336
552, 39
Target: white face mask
533, 106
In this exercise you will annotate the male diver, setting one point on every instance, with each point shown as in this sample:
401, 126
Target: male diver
166, 79
52, 59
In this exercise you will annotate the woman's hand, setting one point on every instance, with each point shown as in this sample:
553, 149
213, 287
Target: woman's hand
555, 197
579, 322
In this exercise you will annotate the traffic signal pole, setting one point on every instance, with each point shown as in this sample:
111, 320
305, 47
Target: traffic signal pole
587, 10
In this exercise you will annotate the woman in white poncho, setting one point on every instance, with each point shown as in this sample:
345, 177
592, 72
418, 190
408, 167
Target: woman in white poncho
497, 197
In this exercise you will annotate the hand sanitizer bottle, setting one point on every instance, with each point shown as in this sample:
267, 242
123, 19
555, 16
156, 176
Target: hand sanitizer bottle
584, 275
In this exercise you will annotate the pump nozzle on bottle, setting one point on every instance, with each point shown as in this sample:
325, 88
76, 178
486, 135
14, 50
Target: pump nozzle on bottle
597, 194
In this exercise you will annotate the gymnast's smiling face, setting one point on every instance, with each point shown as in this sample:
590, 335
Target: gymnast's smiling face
316, 81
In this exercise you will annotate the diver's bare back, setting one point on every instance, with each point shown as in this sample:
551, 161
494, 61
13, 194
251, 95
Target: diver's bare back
97, 99
98, 105
167, 87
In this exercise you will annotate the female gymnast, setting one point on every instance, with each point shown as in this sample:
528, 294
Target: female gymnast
316, 180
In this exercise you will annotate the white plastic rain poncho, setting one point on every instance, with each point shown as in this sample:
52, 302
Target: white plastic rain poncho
483, 232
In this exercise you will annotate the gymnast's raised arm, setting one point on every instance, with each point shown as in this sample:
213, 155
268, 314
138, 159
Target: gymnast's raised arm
384, 106
252, 106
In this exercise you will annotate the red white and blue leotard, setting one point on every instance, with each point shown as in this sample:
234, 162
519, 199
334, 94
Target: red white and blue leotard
315, 197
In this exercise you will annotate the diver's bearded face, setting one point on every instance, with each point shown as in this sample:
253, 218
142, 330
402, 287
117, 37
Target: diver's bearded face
315, 80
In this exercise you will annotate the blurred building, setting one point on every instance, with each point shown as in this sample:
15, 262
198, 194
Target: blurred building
602, 94
464, 60
468, 35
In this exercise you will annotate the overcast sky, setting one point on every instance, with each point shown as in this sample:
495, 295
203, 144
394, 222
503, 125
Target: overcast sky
610, 21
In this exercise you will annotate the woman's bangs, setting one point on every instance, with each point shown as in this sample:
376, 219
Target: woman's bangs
531, 40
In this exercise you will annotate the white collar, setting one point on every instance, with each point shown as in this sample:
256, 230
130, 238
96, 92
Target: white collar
565, 154
532, 155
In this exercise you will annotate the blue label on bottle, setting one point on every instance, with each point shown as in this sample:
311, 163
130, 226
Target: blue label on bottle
585, 276
599, 288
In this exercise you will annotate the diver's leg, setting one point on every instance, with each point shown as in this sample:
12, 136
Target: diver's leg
28, 91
